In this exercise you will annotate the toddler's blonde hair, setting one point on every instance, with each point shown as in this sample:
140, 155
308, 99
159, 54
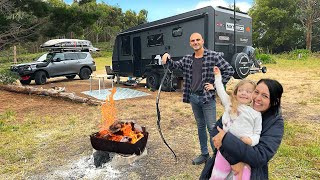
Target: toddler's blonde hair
234, 102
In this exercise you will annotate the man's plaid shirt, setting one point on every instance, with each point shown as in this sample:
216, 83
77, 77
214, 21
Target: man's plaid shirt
210, 59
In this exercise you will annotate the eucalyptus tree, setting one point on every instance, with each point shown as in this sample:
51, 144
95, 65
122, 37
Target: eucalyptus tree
275, 24
69, 19
309, 15
21, 20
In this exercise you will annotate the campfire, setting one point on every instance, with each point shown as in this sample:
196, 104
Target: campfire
125, 137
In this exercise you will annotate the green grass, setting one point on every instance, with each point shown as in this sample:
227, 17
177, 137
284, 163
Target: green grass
311, 63
23, 145
299, 153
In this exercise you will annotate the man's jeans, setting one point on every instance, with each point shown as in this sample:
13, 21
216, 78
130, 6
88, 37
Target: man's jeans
205, 115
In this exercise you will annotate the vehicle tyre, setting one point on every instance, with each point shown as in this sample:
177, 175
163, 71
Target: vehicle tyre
85, 73
71, 76
40, 78
25, 82
241, 65
153, 81
167, 83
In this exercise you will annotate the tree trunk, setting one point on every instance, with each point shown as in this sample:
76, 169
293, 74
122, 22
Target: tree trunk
97, 37
309, 33
51, 93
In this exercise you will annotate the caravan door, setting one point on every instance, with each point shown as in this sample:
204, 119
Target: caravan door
137, 56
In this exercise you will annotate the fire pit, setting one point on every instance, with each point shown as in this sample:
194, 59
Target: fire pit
123, 137
102, 142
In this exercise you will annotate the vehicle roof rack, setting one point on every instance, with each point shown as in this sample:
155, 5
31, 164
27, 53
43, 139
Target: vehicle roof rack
61, 45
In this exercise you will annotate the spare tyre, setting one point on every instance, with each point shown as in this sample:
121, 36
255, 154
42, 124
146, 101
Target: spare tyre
153, 81
167, 83
241, 65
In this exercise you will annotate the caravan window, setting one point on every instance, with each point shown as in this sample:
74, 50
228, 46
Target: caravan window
155, 40
125, 46
177, 32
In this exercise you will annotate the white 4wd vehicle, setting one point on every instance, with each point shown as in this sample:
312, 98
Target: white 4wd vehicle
55, 64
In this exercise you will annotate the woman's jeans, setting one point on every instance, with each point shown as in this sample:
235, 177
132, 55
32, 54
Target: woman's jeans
205, 115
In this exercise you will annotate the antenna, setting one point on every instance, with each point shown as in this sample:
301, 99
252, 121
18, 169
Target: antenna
234, 27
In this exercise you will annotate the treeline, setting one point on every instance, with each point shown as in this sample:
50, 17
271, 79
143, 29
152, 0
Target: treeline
285, 25
278, 25
32, 22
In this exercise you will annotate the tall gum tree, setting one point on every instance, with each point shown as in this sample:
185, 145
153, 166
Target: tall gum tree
275, 25
309, 15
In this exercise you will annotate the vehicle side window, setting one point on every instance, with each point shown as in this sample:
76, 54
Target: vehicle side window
155, 40
176, 32
70, 56
58, 55
82, 55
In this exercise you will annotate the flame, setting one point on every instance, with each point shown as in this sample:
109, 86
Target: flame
109, 112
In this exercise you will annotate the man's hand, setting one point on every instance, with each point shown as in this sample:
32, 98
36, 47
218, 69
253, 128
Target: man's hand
165, 57
246, 140
216, 71
217, 139
208, 86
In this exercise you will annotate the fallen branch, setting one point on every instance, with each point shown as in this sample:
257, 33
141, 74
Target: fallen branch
49, 92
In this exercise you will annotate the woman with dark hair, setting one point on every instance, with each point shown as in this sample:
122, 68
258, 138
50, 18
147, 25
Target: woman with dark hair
267, 100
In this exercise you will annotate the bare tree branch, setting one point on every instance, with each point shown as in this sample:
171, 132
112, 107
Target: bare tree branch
6, 6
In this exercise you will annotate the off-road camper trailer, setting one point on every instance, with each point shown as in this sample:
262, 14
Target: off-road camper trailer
137, 51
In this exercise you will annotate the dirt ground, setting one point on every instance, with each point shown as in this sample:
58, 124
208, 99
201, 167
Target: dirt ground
178, 124
142, 109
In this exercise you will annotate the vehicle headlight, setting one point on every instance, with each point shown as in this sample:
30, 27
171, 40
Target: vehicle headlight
27, 68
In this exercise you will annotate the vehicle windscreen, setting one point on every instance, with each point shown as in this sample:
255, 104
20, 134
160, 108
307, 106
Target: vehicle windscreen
42, 58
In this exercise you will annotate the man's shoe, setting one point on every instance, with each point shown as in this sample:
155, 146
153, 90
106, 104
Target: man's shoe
200, 159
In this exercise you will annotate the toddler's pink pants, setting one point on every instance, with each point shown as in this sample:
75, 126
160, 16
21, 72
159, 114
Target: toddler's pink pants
222, 168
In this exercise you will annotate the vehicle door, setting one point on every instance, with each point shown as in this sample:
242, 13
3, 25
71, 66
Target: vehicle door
72, 62
137, 56
58, 65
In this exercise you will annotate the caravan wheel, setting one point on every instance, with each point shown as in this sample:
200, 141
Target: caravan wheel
167, 83
153, 81
241, 65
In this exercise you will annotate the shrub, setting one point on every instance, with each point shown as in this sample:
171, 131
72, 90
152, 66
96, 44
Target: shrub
265, 58
299, 54
8, 77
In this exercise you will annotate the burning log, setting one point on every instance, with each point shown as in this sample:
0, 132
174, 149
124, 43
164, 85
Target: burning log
122, 132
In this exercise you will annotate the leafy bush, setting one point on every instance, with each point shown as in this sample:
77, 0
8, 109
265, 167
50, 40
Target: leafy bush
299, 54
265, 58
8, 77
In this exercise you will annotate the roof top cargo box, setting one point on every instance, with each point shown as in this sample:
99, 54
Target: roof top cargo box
137, 51
69, 45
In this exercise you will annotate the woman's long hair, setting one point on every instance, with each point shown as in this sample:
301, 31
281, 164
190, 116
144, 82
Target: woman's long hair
275, 90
